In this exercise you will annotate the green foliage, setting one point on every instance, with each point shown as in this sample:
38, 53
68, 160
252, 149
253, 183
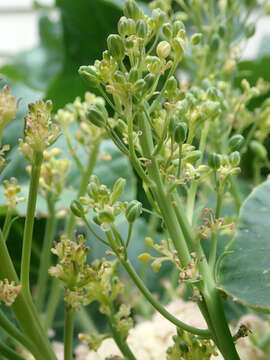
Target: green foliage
244, 273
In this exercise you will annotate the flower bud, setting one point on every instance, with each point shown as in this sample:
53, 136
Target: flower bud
132, 10
221, 30
119, 77
133, 211
196, 39
193, 156
133, 75
214, 160
211, 108
149, 81
159, 17
141, 29
167, 30
163, 49
215, 42
171, 85
177, 26
234, 158
212, 93
250, 30
116, 47
126, 27
92, 190
172, 125
89, 75
236, 142
106, 216
259, 150
179, 47
139, 85
153, 64
77, 209
118, 188
180, 133
97, 115
144, 257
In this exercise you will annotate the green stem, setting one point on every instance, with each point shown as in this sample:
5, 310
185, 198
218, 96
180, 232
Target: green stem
23, 308
194, 186
257, 173
46, 251
121, 343
236, 194
29, 223
156, 304
68, 332
9, 353
6, 226
83, 185
54, 297
213, 249
13, 332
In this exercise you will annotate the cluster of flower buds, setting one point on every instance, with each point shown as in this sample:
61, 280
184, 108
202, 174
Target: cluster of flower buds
189, 347
39, 131
12, 189
105, 203
8, 107
3, 161
53, 173
93, 340
78, 112
8, 292
165, 249
211, 224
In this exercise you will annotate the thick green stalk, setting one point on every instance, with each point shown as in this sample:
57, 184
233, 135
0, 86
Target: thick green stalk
9, 353
214, 307
13, 332
23, 309
84, 182
45, 254
53, 300
29, 223
213, 249
68, 332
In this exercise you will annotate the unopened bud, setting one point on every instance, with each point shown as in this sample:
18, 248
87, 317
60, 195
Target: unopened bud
196, 39
163, 49
179, 47
159, 17
193, 156
215, 42
177, 26
180, 133
97, 115
141, 28
105, 216
258, 149
236, 142
133, 211
144, 257
235, 158
214, 160
89, 76
126, 27
132, 10
167, 30
116, 47
77, 209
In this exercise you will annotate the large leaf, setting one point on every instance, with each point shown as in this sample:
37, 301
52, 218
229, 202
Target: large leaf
245, 271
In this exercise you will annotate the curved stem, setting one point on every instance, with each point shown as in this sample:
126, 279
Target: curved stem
45, 254
9, 353
29, 223
68, 332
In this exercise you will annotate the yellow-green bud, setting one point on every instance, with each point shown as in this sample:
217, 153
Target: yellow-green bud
211, 108
133, 211
215, 42
159, 17
97, 115
236, 142
77, 209
212, 93
149, 241
163, 49
196, 39
214, 160
132, 10
89, 75
119, 77
221, 30
177, 26
235, 158
167, 30
144, 257
118, 188
105, 216
133, 75
141, 29
153, 64
180, 133
149, 82
116, 47
171, 85
139, 85
179, 47
126, 27
92, 190
193, 156
258, 149
172, 124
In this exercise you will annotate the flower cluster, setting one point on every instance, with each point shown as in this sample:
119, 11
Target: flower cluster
8, 107
11, 190
8, 292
